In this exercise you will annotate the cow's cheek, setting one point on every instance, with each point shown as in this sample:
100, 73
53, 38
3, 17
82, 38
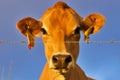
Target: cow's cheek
49, 50
73, 49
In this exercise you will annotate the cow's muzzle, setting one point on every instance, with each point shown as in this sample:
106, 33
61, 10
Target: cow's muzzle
62, 62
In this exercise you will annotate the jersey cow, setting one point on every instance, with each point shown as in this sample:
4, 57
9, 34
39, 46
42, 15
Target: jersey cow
60, 28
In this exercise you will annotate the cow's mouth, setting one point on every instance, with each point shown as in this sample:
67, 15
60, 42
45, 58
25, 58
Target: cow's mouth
61, 70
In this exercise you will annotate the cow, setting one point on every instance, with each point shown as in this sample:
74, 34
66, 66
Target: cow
60, 28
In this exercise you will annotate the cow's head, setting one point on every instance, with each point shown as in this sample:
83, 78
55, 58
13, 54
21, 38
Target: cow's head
60, 28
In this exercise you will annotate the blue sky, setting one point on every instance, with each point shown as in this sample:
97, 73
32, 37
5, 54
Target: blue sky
99, 60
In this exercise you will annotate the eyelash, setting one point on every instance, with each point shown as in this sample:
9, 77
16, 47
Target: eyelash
77, 30
43, 31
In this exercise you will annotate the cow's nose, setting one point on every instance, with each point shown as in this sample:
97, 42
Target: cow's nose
61, 61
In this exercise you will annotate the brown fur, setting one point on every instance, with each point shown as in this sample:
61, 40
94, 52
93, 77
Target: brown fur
60, 26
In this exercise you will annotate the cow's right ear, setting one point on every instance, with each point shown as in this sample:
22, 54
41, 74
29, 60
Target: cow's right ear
30, 28
29, 24
92, 24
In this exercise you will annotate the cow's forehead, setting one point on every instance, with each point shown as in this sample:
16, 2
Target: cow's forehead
60, 17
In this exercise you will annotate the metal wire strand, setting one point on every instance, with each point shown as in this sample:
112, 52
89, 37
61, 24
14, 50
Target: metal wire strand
39, 42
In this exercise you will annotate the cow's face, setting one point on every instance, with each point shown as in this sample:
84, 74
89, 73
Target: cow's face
60, 34
60, 27
60, 41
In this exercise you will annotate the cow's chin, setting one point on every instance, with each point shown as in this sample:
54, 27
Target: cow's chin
60, 77
61, 74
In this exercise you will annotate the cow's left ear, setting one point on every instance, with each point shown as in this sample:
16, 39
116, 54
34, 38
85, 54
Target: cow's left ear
92, 24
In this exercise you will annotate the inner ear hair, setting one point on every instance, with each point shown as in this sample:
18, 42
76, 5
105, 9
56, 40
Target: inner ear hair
92, 24
95, 20
28, 23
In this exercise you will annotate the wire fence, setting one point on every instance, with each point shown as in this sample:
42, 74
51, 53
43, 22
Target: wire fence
83, 42
39, 42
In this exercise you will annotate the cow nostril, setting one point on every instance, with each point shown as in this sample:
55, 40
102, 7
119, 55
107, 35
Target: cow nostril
60, 61
54, 59
68, 59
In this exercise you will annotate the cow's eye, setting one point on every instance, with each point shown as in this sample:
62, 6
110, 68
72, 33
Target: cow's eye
43, 31
77, 31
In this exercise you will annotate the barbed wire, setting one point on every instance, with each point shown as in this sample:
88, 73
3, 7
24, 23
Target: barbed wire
39, 42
